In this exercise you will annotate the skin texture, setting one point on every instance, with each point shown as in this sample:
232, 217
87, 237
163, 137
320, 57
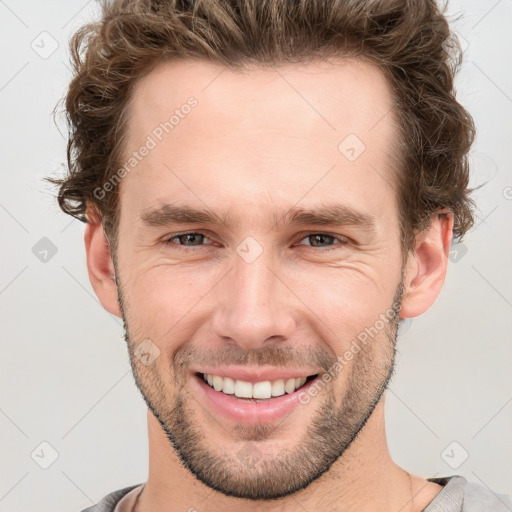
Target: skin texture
259, 143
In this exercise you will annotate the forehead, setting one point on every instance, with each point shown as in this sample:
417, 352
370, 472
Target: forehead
331, 96
260, 134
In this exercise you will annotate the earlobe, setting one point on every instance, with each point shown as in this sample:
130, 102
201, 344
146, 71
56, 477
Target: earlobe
426, 266
99, 263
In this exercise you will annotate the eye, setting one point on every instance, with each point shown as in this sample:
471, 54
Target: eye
187, 239
324, 240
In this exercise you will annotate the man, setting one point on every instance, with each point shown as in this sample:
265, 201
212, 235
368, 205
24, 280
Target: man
269, 189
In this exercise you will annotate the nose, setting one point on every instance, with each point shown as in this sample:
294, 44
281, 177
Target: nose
253, 305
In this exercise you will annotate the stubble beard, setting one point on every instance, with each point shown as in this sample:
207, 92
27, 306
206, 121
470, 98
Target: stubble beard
335, 424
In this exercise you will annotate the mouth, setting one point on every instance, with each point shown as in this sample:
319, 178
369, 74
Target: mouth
251, 403
255, 391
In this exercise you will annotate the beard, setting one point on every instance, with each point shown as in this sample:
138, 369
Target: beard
242, 471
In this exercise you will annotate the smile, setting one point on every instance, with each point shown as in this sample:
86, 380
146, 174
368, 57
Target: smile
262, 390
251, 395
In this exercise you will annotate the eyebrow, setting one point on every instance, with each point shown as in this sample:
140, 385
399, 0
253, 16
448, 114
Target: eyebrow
333, 214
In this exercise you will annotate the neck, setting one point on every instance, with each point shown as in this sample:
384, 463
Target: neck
363, 479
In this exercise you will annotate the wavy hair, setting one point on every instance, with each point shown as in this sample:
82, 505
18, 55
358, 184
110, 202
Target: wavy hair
409, 40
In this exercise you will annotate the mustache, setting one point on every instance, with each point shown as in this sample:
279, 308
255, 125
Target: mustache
272, 355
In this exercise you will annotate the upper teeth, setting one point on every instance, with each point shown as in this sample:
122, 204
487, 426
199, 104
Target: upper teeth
243, 389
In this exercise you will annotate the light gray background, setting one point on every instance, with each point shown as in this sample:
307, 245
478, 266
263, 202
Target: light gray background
65, 377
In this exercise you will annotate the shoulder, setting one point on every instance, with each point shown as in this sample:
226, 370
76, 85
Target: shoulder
108, 503
478, 498
462, 496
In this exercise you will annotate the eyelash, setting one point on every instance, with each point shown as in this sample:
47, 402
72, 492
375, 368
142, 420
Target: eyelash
341, 239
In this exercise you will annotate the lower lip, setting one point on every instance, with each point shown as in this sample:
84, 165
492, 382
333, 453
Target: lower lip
246, 412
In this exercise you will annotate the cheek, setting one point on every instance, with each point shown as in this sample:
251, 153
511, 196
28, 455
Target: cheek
169, 303
344, 304
161, 297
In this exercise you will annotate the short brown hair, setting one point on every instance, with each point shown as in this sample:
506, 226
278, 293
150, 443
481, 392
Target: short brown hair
407, 39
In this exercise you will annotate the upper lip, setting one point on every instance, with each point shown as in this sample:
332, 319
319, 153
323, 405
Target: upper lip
255, 373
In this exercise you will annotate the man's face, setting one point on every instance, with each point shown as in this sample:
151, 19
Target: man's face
272, 287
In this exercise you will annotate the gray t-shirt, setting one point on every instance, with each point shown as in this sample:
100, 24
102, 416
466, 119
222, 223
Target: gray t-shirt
458, 495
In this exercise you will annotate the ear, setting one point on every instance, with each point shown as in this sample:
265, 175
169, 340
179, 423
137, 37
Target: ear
426, 266
99, 263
